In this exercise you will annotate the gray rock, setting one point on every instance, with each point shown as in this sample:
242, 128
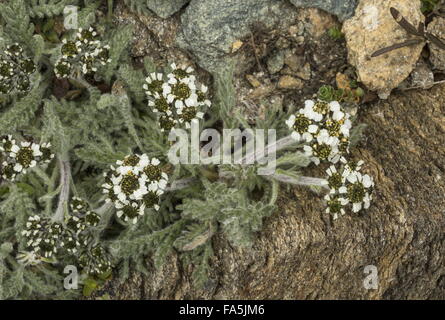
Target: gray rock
343, 9
166, 8
276, 62
210, 27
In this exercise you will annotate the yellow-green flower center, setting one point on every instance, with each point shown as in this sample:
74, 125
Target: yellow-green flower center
322, 151
130, 212
201, 96
335, 181
356, 192
151, 199
129, 183
162, 105
132, 160
153, 173
335, 206
25, 156
188, 114
28, 66
166, 123
301, 124
63, 69
69, 49
333, 127
180, 73
155, 86
181, 91
5, 70
321, 107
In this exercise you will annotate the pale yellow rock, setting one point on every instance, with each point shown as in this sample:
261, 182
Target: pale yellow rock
373, 28
236, 45
288, 82
437, 28
254, 82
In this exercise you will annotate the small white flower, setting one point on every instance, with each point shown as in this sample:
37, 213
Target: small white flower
335, 205
15, 148
291, 121
309, 111
358, 190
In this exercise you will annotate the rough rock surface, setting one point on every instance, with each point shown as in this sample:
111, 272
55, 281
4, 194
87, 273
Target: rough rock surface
164, 8
301, 254
373, 28
437, 27
343, 9
210, 28
152, 36
422, 76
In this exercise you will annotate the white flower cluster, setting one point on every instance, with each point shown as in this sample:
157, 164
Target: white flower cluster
324, 128
15, 70
45, 239
177, 99
348, 186
82, 55
17, 158
134, 184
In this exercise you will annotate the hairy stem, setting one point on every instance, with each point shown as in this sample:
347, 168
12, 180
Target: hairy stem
180, 184
110, 11
274, 192
81, 81
258, 155
65, 177
301, 181
276, 146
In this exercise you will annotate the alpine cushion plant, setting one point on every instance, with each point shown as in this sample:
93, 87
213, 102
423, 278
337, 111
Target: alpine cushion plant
98, 191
